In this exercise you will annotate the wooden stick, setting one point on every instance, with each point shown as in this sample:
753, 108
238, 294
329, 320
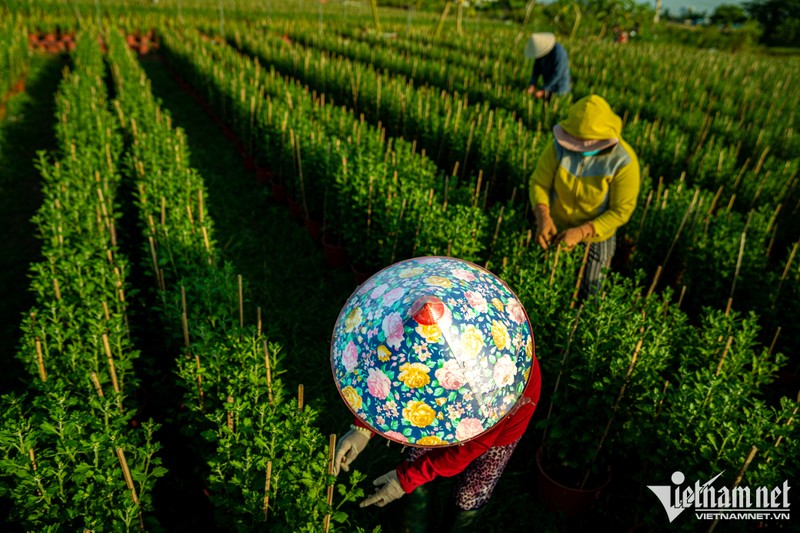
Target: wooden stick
97, 387
300, 397
111, 368
331, 452
199, 380
736, 272
258, 321
266, 489
614, 412
163, 211
207, 243
786, 271
788, 423
230, 414
106, 314
191, 217
269, 372
724, 353
580, 278
661, 401
58, 290
40, 358
683, 293
561, 369
738, 480
682, 224
154, 258
774, 340
200, 216
654, 283
32, 457
555, 264
129, 481
241, 301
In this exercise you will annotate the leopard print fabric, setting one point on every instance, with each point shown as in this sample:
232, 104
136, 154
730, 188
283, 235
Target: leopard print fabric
474, 486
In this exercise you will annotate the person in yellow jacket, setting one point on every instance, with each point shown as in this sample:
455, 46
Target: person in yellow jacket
585, 185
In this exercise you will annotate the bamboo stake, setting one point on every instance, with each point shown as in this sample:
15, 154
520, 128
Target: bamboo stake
774, 340
555, 264
191, 217
129, 481
614, 411
32, 457
736, 272
241, 301
97, 387
40, 358
163, 211
724, 353
580, 278
300, 397
200, 215
682, 224
154, 258
654, 283
788, 423
199, 381
683, 293
230, 414
268, 367
561, 370
57, 289
785, 273
331, 451
207, 243
266, 489
111, 368
496, 233
258, 320
661, 401
738, 480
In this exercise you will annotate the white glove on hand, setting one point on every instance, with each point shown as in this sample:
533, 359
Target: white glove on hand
347, 449
389, 491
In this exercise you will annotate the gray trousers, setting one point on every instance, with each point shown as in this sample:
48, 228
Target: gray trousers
600, 254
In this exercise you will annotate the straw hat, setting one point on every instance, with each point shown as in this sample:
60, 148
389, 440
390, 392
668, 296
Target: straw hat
539, 45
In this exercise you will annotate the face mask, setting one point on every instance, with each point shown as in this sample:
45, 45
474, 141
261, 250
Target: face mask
587, 154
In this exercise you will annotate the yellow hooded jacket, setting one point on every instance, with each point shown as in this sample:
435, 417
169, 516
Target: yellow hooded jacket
602, 189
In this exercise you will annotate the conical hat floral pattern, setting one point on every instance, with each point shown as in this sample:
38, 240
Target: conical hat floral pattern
432, 351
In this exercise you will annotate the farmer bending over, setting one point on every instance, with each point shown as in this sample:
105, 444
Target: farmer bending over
550, 63
585, 185
437, 354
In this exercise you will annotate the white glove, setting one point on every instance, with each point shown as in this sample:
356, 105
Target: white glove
389, 491
347, 449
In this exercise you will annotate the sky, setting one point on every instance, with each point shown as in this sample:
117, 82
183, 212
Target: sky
708, 6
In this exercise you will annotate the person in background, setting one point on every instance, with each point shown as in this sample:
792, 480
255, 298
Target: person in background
585, 185
551, 64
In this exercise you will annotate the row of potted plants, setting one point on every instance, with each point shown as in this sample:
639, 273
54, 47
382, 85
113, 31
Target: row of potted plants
73, 454
265, 462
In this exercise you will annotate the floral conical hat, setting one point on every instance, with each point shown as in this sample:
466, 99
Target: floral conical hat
432, 351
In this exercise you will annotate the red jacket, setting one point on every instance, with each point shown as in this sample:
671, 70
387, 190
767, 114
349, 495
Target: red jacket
451, 460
